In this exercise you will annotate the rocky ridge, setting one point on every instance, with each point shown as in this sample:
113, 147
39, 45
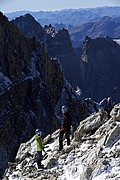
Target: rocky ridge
94, 153
58, 45
100, 60
94, 67
31, 85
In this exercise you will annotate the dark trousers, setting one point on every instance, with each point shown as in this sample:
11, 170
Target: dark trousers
67, 136
39, 158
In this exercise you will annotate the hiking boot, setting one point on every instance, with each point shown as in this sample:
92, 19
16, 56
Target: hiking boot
68, 142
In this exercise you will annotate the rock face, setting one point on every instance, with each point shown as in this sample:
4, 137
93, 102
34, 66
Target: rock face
31, 85
94, 152
28, 82
97, 74
58, 45
29, 27
61, 47
101, 64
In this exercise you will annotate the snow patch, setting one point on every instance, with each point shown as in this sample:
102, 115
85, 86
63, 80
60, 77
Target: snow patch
72, 172
117, 41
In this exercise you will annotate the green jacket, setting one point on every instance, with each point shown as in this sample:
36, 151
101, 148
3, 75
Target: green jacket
39, 142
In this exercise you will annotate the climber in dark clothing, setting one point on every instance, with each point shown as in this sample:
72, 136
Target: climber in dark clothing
65, 126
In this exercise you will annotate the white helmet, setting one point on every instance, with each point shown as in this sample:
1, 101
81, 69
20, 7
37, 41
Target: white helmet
37, 131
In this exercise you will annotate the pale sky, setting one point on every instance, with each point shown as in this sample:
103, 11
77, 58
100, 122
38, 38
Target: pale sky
51, 5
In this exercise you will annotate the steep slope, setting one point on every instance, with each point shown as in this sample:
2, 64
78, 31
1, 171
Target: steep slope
58, 46
61, 47
31, 86
26, 23
101, 64
93, 154
29, 80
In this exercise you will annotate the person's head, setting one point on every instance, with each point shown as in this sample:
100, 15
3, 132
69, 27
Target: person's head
38, 131
109, 99
64, 109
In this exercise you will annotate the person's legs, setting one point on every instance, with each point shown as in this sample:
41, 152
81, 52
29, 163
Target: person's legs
61, 140
39, 158
67, 136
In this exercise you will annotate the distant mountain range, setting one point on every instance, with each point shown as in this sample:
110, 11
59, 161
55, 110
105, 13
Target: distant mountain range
93, 22
99, 27
69, 16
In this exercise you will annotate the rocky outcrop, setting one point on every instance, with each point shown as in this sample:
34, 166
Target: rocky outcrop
58, 45
29, 27
100, 72
61, 47
92, 154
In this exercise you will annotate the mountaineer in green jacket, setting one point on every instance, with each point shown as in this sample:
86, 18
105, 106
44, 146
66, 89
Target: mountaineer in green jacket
40, 147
